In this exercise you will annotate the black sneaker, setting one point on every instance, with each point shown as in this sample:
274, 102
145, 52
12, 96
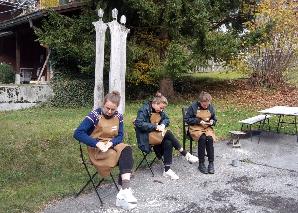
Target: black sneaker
211, 168
202, 168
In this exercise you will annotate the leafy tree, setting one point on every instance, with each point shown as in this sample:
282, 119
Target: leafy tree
167, 37
275, 33
194, 26
71, 40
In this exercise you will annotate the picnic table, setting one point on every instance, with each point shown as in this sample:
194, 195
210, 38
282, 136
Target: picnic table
281, 112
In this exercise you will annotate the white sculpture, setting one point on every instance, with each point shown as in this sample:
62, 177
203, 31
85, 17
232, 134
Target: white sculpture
100, 28
117, 59
115, 14
123, 19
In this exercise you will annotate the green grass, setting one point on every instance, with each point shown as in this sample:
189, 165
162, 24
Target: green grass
218, 76
40, 159
293, 77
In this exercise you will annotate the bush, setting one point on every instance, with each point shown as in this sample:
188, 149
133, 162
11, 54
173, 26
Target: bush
6, 74
139, 92
71, 92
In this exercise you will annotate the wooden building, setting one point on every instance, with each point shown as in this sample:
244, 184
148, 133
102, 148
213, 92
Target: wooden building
18, 45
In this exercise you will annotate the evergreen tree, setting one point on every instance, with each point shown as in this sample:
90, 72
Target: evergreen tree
167, 37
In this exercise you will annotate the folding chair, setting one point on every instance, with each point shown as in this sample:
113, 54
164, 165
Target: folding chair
87, 162
186, 135
148, 163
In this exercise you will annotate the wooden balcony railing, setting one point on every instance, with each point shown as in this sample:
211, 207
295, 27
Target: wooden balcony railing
55, 3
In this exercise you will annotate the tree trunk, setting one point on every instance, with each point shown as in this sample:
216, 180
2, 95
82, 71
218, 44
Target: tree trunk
166, 87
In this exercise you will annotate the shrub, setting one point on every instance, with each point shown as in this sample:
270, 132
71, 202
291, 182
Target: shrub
71, 92
6, 74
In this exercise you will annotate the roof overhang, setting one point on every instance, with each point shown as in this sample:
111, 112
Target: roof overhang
4, 34
39, 14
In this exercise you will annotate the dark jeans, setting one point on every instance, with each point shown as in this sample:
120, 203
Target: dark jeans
169, 141
205, 143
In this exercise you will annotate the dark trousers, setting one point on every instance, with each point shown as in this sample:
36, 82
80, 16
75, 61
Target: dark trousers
125, 160
205, 143
125, 163
169, 141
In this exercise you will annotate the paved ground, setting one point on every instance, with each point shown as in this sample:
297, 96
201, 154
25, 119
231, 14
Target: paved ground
266, 180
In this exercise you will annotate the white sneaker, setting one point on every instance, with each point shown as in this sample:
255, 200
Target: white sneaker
125, 199
191, 158
171, 174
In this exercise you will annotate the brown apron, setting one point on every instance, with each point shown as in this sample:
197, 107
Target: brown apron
197, 130
156, 137
104, 131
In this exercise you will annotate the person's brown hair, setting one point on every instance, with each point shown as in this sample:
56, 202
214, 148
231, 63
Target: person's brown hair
159, 98
205, 96
113, 96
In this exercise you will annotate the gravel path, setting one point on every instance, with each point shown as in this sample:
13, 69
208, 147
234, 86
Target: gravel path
266, 180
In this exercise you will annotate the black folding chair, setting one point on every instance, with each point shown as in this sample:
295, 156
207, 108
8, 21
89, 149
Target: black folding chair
86, 162
148, 162
186, 135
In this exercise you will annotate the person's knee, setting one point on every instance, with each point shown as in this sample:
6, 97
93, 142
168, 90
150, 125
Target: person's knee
209, 139
169, 136
126, 160
203, 138
168, 144
167, 148
127, 150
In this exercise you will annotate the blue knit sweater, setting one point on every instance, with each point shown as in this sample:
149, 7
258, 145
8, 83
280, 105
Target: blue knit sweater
83, 132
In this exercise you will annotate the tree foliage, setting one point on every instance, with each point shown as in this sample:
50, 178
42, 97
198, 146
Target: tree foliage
275, 29
167, 37
6, 74
71, 40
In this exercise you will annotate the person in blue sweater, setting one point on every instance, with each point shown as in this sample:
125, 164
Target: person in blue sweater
102, 132
201, 118
150, 125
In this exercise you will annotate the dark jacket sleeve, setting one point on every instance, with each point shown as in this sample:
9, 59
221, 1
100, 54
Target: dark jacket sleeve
165, 119
143, 127
213, 114
142, 121
142, 139
190, 116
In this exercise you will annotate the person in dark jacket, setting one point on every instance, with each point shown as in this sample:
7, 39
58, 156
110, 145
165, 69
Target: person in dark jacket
102, 132
150, 124
201, 118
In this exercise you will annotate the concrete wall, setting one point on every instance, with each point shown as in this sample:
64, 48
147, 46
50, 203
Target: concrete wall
14, 97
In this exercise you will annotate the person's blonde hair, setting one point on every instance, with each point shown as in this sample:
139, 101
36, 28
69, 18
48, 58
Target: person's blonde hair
159, 98
205, 96
113, 96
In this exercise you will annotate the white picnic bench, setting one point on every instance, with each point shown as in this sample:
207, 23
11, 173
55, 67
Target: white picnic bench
235, 135
260, 119
255, 119
281, 112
